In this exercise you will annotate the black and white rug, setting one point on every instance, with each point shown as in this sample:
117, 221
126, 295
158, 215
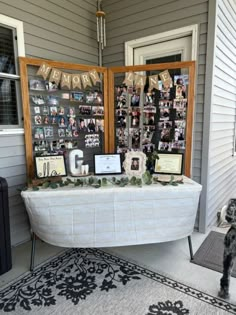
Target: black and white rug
91, 281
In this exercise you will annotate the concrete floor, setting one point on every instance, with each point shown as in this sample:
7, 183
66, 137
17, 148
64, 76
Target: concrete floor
171, 258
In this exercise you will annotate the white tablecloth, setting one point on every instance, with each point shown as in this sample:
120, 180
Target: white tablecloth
113, 216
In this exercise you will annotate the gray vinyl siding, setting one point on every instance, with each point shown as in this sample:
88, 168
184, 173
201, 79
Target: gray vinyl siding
128, 20
53, 29
12, 167
222, 165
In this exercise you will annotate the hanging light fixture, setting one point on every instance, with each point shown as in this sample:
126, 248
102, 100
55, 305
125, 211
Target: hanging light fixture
101, 29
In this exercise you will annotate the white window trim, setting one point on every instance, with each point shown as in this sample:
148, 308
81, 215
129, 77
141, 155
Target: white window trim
18, 25
157, 38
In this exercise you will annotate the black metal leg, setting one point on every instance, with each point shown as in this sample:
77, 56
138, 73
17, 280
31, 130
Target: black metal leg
190, 247
32, 251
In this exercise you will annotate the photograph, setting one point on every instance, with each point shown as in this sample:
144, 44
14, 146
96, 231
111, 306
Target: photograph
61, 111
121, 112
165, 135
40, 146
38, 133
164, 113
68, 133
37, 85
72, 125
62, 122
181, 79
149, 109
135, 99
77, 96
38, 120
71, 112
134, 164
48, 132
121, 102
135, 135
82, 125
38, 99
45, 110
147, 136
98, 110
92, 141
91, 125
179, 134
180, 103
165, 103
180, 124
180, 114
149, 128
135, 121
180, 92
71, 144
149, 119
37, 110
148, 148
165, 124
51, 86
93, 97
65, 96
149, 98
53, 111
53, 120
85, 110
99, 125
61, 132
164, 146
75, 133
52, 100
121, 121
46, 120
180, 145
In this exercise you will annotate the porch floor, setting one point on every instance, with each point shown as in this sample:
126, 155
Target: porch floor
170, 258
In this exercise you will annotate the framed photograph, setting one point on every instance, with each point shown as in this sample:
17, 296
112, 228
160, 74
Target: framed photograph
135, 163
169, 163
107, 164
50, 166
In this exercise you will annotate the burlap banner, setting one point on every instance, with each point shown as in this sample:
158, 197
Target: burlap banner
139, 81
68, 80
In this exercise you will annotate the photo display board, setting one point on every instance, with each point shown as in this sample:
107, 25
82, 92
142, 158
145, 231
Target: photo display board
153, 109
65, 110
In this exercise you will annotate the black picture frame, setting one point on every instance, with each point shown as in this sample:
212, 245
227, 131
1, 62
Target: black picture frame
99, 158
169, 156
44, 163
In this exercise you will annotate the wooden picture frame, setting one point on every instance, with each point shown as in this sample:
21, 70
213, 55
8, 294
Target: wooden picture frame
24, 64
190, 67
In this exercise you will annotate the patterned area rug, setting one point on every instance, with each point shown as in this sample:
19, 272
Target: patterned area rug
91, 281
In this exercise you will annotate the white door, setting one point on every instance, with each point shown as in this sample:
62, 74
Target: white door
165, 51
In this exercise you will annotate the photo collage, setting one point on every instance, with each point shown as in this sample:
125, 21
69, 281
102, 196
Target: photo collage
63, 120
154, 119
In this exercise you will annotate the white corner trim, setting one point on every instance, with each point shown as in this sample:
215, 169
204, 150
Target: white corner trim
157, 38
18, 25
9, 132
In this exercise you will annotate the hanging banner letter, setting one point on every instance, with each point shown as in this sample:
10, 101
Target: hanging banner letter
165, 78
85, 78
153, 82
76, 81
44, 70
140, 81
129, 78
94, 76
66, 80
55, 76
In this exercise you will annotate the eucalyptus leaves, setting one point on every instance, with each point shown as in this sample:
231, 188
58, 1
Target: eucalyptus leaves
97, 182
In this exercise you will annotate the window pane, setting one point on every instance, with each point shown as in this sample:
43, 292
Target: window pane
7, 58
8, 103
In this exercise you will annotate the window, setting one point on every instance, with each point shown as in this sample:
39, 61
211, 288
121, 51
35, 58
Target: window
11, 32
